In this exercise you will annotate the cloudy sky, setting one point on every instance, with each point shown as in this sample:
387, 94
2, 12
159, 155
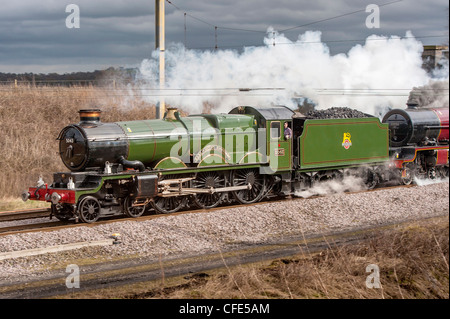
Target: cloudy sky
34, 36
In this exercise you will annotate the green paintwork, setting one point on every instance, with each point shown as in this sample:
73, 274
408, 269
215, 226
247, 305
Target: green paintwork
252, 157
206, 139
212, 159
322, 143
79, 192
227, 121
211, 140
279, 150
170, 162
152, 140
228, 136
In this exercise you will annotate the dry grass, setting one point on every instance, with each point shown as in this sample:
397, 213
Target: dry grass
14, 203
31, 119
413, 263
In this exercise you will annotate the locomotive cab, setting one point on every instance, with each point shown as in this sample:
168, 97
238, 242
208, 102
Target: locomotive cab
273, 119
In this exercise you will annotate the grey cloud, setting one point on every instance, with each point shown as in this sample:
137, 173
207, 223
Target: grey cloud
117, 31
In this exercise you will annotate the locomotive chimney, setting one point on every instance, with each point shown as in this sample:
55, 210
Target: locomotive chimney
170, 113
412, 105
91, 116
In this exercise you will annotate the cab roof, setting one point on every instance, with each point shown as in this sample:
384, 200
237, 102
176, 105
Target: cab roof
277, 112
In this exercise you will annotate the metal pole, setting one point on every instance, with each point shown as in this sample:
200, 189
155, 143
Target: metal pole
160, 44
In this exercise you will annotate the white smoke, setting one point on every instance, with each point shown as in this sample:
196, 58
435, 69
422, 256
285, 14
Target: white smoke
368, 78
428, 181
347, 184
442, 71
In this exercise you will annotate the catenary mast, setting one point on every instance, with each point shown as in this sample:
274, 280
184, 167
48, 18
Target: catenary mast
160, 44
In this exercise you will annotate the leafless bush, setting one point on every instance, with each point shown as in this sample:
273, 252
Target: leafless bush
31, 118
413, 263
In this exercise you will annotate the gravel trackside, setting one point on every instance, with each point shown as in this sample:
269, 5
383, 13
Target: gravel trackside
229, 228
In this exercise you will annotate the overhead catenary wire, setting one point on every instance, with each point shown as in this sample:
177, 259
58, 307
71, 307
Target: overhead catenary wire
284, 30
336, 17
223, 92
298, 43
216, 27
140, 88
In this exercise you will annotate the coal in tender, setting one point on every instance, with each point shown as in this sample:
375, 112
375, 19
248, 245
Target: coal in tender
336, 113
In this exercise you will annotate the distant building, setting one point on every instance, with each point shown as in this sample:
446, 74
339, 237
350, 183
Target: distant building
432, 55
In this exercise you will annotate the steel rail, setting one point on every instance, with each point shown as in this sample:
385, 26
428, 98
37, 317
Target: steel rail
24, 214
58, 225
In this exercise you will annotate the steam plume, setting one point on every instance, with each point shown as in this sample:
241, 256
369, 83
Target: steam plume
367, 78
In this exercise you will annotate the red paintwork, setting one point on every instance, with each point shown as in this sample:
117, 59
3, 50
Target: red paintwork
67, 196
442, 156
442, 114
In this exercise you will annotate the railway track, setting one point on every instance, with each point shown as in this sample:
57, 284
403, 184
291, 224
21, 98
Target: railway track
53, 225
24, 214
56, 225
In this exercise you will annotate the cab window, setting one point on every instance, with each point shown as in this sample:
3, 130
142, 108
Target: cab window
275, 130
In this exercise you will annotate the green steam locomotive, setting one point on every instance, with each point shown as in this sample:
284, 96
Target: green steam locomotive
206, 160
